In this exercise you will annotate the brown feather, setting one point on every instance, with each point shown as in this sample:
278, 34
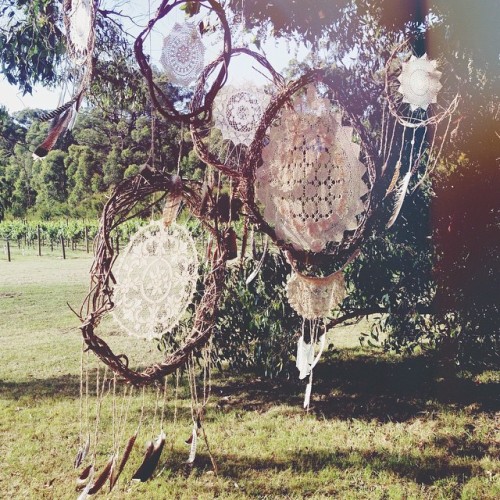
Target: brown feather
126, 455
394, 179
139, 472
84, 477
103, 476
57, 129
151, 461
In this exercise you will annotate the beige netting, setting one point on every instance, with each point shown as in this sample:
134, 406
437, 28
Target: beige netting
310, 182
315, 297
156, 277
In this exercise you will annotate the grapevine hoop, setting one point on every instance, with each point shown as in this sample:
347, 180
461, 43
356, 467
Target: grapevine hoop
99, 301
159, 98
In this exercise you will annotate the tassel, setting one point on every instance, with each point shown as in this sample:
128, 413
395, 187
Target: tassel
400, 196
151, 459
57, 129
85, 477
103, 476
126, 455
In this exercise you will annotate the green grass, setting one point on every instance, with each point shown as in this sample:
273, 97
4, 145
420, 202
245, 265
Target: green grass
381, 426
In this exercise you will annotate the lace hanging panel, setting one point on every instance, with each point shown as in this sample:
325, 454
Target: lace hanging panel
237, 112
420, 83
79, 28
183, 54
310, 182
313, 297
155, 280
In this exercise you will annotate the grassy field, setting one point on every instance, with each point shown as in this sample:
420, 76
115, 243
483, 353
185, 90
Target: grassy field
380, 426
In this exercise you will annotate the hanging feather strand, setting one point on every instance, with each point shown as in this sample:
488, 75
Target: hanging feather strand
103, 476
126, 455
399, 198
61, 123
151, 459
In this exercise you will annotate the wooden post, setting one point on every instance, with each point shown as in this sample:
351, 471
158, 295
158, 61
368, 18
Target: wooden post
63, 249
87, 239
8, 250
39, 241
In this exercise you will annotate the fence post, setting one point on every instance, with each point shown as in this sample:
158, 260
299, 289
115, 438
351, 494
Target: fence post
63, 250
87, 238
8, 250
39, 241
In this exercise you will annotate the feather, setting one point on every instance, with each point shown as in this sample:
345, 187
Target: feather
85, 477
399, 199
139, 472
194, 444
103, 476
151, 459
307, 397
394, 179
49, 115
82, 453
57, 129
126, 455
256, 271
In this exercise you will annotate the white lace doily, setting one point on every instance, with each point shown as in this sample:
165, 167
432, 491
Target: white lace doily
420, 84
311, 180
313, 297
155, 280
237, 112
183, 54
80, 22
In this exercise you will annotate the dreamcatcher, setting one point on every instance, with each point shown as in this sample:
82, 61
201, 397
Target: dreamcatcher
182, 58
311, 181
420, 97
237, 112
79, 21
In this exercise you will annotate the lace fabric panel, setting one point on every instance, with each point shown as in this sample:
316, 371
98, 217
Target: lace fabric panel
155, 280
183, 54
237, 112
314, 297
420, 84
80, 26
310, 182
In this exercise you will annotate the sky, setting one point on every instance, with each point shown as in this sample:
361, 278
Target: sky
45, 98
